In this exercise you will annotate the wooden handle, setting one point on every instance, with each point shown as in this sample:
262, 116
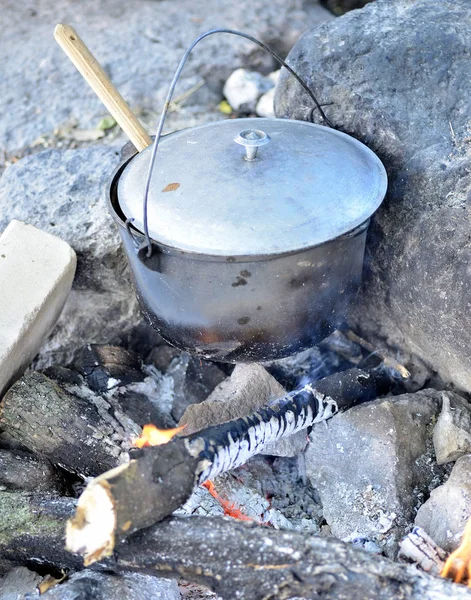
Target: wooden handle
98, 80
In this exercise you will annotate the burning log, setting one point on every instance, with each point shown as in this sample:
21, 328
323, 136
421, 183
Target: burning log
160, 479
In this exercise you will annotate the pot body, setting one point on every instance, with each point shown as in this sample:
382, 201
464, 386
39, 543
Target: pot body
243, 309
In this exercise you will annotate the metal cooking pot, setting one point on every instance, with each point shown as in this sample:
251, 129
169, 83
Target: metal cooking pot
256, 234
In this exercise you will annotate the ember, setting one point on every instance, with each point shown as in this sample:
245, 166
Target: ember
230, 509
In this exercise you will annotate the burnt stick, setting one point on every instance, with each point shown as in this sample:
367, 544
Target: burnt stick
160, 479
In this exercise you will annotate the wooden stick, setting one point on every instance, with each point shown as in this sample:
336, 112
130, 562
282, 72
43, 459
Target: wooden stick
387, 360
98, 80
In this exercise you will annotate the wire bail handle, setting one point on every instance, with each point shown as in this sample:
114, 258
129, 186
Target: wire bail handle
147, 241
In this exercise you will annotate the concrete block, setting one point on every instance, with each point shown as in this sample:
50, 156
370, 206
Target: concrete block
36, 274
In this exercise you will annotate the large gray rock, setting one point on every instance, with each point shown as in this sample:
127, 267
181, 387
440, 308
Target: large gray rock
446, 512
139, 44
372, 464
63, 192
395, 76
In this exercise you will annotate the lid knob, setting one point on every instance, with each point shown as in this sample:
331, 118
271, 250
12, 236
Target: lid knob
252, 139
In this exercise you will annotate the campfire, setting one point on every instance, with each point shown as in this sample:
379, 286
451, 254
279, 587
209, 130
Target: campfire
85, 428
245, 441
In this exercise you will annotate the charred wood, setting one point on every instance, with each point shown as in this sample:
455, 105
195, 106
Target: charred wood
32, 529
105, 367
239, 560
82, 432
160, 479
23, 471
230, 557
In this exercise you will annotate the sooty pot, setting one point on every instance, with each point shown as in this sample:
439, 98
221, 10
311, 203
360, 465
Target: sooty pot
256, 234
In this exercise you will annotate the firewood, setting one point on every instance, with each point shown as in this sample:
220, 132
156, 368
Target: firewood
32, 529
81, 433
235, 559
160, 479
240, 560
23, 471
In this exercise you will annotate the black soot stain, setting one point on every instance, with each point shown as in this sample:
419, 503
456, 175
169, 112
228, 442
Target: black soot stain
239, 281
243, 320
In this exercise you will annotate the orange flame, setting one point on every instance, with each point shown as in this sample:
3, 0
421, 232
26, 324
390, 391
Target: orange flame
458, 564
230, 509
152, 436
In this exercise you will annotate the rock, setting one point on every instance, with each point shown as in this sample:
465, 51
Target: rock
452, 433
36, 274
63, 193
249, 387
140, 45
17, 582
446, 512
372, 464
265, 107
193, 380
244, 88
107, 586
407, 99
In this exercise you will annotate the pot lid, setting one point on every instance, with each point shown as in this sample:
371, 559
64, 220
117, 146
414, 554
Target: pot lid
306, 185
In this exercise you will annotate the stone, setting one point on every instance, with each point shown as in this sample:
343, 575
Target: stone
395, 76
139, 45
193, 381
36, 274
63, 193
248, 388
372, 465
17, 582
108, 586
446, 512
243, 89
265, 107
452, 433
